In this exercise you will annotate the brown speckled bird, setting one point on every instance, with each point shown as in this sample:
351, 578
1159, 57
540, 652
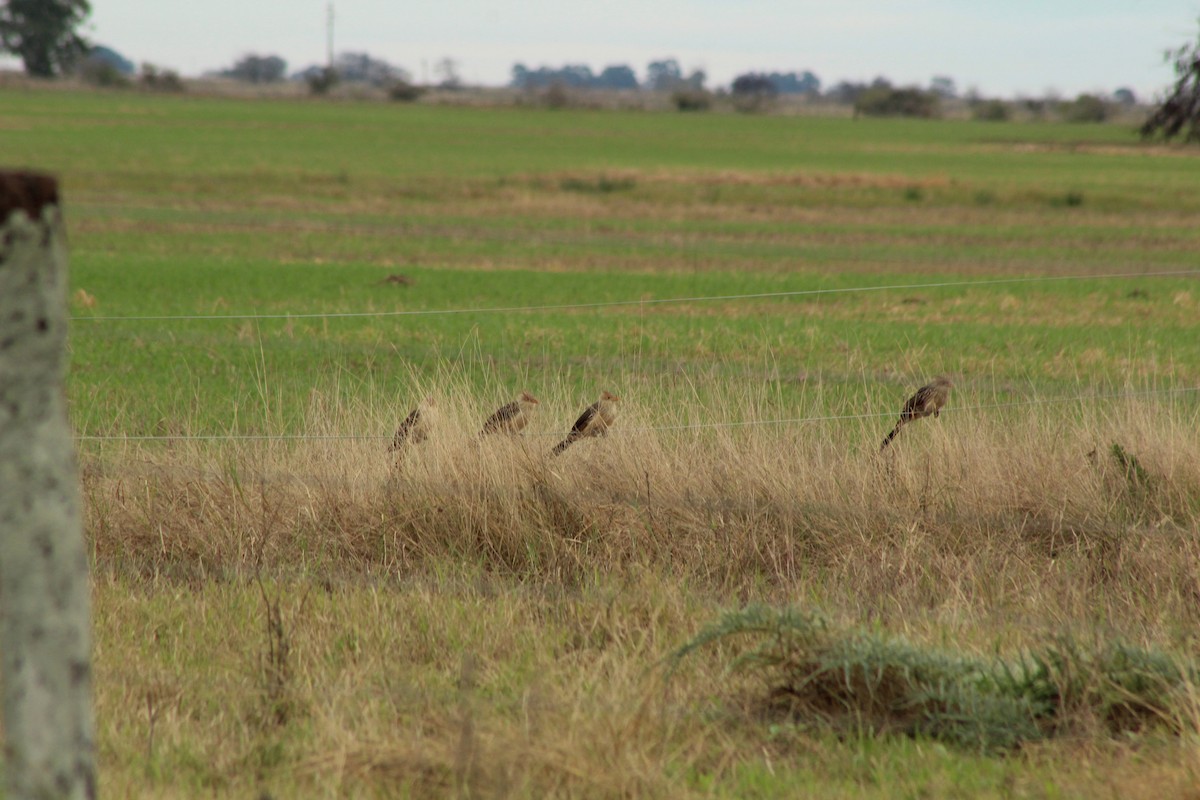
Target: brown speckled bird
415, 427
511, 417
594, 421
928, 400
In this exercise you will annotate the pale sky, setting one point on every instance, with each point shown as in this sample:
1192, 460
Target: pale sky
1000, 47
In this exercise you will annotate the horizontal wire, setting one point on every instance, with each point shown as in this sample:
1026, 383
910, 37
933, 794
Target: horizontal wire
647, 429
659, 301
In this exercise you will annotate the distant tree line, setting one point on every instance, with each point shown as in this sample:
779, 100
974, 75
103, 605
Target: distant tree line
254, 68
575, 76
791, 82
664, 75
749, 92
44, 34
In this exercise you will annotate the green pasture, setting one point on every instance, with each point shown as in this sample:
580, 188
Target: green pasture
204, 206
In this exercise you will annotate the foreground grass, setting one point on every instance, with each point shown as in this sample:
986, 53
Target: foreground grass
309, 618
461, 684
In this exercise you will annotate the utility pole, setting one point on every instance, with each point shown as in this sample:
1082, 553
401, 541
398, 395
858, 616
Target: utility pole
329, 37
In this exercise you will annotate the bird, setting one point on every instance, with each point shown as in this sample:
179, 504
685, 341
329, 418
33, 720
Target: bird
594, 421
511, 417
415, 427
929, 399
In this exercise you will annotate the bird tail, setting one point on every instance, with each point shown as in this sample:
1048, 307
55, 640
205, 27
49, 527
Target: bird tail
888, 439
563, 445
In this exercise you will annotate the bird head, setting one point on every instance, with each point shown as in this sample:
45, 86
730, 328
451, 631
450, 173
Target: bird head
526, 399
608, 397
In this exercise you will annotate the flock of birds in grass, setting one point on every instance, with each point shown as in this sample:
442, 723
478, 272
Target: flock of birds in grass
511, 418
596, 419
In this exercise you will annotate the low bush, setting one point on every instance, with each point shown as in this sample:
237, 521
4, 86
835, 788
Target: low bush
1084, 108
691, 100
404, 92
990, 111
887, 101
856, 681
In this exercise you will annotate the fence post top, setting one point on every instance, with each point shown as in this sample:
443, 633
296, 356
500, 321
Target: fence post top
26, 190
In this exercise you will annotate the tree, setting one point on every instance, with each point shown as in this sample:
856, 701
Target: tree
752, 91
257, 69
1085, 108
846, 92
43, 33
106, 55
361, 67
795, 83
663, 75
617, 76
104, 66
882, 100
447, 70
943, 86
1181, 108
574, 76
577, 76
160, 80
990, 110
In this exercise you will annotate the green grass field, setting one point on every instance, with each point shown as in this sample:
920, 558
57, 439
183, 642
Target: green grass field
202, 206
479, 622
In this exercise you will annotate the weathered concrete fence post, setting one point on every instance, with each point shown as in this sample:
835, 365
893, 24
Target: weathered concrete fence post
45, 639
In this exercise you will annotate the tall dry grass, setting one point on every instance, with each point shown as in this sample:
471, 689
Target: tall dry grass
1012, 508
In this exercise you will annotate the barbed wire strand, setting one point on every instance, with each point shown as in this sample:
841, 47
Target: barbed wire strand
298, 437
653, 301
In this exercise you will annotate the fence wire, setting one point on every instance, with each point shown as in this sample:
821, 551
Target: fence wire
639, 302
626, 303
304, 437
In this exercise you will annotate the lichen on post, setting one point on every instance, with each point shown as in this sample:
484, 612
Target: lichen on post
45, 639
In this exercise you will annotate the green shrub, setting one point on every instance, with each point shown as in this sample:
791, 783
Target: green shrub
166, 80
990, 111
865, 682
101, 73
886, 101
691, 100
405, 92
556, 96
753, 93
1084, 108
321, 81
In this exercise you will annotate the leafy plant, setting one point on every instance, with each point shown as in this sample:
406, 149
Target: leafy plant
856, 681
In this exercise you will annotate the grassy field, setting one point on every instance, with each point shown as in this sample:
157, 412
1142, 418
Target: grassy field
304, 615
